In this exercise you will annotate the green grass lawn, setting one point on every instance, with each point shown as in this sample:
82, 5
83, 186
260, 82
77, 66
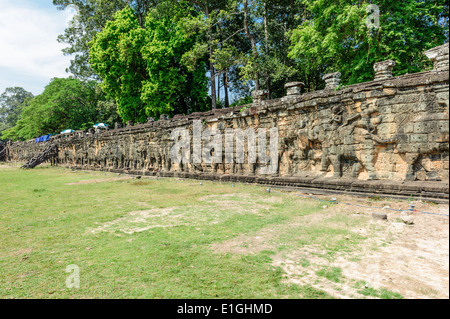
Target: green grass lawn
147, 238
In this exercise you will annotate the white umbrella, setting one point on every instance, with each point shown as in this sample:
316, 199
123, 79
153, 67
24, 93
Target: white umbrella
100, 125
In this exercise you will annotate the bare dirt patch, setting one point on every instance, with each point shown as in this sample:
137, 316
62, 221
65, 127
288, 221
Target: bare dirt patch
408, 259
139, 221
22, 252
240, 202
416, 261
4, 166
266, 238
240, 199
211, 210
93, 181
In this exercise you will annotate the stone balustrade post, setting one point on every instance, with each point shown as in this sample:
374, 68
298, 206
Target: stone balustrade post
258, 96
439, 56
294, 88
332, 80
383, 69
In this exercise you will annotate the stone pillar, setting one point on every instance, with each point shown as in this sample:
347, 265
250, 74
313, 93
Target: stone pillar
332, 80
258, 96
439, 56
294, 88
117, 125
383, 69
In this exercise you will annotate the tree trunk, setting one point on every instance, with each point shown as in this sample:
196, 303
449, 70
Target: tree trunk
225, 85
253, 41
211, 66
266, 32
218, 86
213, 83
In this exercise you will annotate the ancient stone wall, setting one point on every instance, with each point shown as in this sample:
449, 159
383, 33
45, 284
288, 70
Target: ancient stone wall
392, 129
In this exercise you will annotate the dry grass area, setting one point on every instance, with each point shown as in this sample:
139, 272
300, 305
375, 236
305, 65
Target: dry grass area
213, 210
409, 259
175, 238
102, 180
363, 258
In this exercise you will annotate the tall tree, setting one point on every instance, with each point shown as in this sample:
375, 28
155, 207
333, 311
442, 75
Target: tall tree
172, 87
336, 37
64, 104
268, 24
92, 16
252, 39
11, 106
142, 68
224, 59
211, 11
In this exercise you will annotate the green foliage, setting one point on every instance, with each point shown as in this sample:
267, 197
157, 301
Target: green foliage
156, 57
11, 106
335, 37
64, 104
141, 68
115, 56
171, 87
91, 17
271, 23
226, 58
242, 101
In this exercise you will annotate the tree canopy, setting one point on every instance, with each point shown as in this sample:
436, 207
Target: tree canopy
142, 69
91, 17
11, 106
335, 36
134, 59
64, 104
265, 43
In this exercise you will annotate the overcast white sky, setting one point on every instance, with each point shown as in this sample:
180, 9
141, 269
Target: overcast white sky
30, 55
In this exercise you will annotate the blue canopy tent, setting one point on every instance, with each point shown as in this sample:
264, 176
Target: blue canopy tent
43, 138
67, 131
